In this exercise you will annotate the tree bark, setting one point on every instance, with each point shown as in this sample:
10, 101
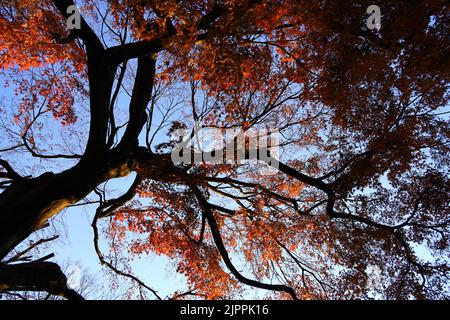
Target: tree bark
36, 276
30, 203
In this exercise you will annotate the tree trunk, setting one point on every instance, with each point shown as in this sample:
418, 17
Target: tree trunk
28, 204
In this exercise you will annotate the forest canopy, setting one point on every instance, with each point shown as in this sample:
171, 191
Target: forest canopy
359, 179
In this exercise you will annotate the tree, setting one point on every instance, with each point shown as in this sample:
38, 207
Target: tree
362, 177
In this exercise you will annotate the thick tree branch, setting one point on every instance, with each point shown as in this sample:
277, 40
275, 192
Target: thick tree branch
36, 276
101, 78
140, 49
11, 173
